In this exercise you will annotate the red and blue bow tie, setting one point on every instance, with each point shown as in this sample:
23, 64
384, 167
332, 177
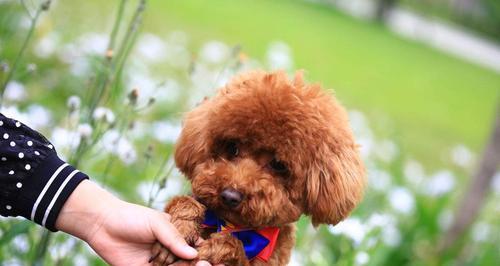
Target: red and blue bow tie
257, 243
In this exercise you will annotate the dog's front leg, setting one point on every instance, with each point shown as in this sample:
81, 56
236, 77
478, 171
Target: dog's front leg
187, 214
223, 248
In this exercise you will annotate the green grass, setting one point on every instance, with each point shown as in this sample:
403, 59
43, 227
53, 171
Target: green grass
433, 100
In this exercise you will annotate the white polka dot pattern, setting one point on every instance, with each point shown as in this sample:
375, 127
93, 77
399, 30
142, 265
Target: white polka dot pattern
34, 181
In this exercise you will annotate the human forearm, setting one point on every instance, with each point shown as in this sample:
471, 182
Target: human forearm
85, 210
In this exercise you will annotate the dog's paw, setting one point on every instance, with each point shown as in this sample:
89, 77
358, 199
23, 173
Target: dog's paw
188, 230
161, 255
223, 248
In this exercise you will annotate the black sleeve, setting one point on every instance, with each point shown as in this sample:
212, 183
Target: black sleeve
34, 182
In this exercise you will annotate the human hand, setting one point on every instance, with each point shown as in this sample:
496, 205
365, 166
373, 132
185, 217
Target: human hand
120, 232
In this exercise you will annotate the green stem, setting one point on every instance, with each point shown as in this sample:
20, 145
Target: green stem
123, 121
110, 71
108, 60
155, 179
116, 25
44, 6
42, 247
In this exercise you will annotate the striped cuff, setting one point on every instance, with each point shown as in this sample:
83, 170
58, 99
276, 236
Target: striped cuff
45, 194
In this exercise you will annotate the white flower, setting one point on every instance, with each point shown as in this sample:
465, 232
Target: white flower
80, 67
80, 260
402, 200
379, 220
169, 91
47, 45
118, 145
362, 131
31, 67
74, 102
371, 242
85, 130
279, 56
15, 91
379, 179
93, 43
481, 232
391, 235
359, 124
297, 258
61, 250
21, 243
413, 172
386, 150
151, 48
440, 183
63, 138
361, 258
13, 262
104, 114
350, 227
366, 146
166, 132
39, 116
388, 225
495, 183
145, 85
214, 52
461, 156
25, 22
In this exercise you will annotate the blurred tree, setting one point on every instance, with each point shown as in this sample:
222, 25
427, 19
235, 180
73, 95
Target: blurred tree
472, 202
383, 8
492, 10
465, 7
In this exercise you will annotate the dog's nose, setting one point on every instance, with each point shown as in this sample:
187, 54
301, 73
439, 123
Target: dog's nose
231, 198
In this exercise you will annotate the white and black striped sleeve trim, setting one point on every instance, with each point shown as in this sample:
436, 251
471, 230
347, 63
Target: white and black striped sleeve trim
45, 194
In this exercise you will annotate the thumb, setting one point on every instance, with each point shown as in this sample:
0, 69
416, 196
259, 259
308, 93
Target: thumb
170, 238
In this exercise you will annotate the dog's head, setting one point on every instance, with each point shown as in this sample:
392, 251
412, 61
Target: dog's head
264, 150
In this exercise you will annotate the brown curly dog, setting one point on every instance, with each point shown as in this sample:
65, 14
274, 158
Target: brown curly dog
261, 153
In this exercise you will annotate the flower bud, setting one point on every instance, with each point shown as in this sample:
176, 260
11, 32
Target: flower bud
73, 103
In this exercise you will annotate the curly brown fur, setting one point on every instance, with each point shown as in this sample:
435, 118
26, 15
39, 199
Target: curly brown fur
284, 146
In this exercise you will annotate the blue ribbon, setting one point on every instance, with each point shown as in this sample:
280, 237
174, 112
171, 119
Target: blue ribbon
253, 242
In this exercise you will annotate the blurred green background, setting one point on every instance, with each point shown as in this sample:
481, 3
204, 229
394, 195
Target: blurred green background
422, 116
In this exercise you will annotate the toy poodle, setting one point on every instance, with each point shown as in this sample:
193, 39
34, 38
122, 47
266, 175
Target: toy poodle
259, 154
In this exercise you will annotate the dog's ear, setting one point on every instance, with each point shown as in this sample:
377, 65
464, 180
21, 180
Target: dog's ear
191, 147
335, 184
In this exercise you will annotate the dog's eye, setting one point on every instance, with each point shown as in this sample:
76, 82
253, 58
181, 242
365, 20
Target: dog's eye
231, 149
277, 166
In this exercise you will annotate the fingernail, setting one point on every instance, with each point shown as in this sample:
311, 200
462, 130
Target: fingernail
202, 263
190, 251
